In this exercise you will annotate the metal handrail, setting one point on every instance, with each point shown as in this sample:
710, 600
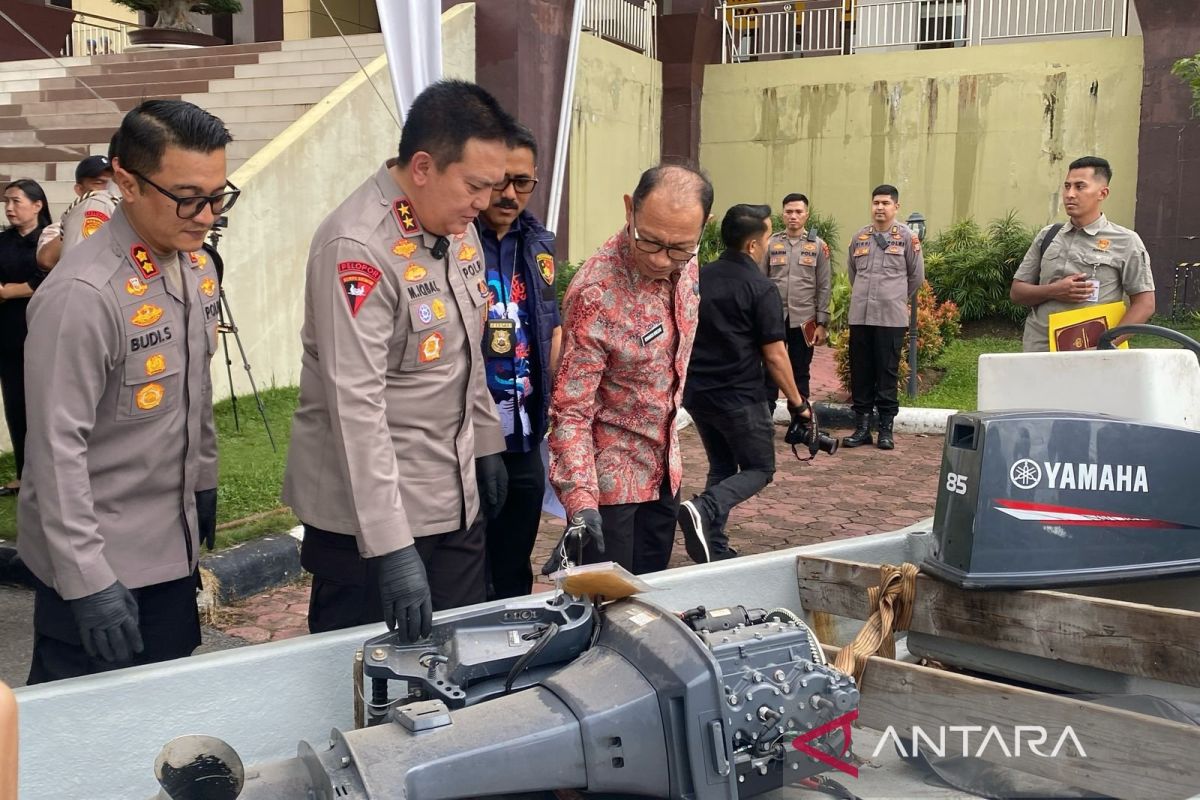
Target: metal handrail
625, 22
93, 34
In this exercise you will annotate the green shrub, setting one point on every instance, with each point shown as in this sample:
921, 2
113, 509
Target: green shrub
562, 278
974, 267
1188, 71
839, 303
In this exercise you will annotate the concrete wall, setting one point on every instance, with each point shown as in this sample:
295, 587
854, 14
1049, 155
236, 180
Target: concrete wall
306, 19
290, 186
616, 133
969, 132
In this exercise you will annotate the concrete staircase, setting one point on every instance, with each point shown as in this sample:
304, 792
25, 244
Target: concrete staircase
49, 120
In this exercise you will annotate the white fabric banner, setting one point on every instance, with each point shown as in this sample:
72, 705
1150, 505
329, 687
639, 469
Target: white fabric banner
412, 38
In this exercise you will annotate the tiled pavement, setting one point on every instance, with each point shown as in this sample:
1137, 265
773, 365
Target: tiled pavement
855, 492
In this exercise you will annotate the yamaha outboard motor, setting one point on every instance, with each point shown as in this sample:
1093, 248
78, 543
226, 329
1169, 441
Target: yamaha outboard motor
1040, 499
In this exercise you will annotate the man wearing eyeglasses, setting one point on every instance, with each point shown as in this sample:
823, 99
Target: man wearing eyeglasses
629, 318
521, 340
120, 489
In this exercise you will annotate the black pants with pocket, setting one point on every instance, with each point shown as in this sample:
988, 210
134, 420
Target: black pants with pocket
510, 536
167, 619
12, 389
345, 587
875, 368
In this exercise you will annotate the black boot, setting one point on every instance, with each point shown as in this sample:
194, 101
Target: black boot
885, 434
862, 431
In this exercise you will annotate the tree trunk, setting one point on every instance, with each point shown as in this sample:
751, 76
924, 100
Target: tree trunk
173, 14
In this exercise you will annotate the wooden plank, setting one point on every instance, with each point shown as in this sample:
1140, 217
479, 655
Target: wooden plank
1143, 640
1115, 752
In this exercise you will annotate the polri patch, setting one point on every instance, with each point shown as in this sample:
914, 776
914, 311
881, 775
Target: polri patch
92, 221
358, 280
545, 263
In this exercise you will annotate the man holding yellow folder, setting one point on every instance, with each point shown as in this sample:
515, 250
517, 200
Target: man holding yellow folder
1088, 261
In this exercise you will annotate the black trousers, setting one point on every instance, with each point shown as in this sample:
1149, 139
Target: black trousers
638, 536
875, 368
167, 618
345, 587
740, 446
510, 536
800, 355
12, 389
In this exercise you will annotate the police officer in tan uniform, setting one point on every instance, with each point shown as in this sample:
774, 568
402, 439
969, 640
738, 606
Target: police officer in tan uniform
96, 198
120, 487
395, 424
886, 269
798, 262
1088, 262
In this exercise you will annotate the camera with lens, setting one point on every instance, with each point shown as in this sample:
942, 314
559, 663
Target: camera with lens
805, 431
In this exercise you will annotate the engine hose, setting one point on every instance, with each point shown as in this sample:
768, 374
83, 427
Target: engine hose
530, 654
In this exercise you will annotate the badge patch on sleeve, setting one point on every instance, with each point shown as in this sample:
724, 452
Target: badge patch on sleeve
358, 281
92, 222
545, 263
431, 348
143, 261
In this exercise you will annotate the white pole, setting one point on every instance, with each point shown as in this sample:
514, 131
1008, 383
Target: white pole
564, 118
412, 37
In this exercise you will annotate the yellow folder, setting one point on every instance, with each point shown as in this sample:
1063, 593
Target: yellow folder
1080, 328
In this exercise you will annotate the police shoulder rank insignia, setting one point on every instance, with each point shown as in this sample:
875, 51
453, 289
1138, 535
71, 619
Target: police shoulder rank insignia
466, 252
404, 248
136, 286
146, 315
143, 261
406, 218
430, 348
208, 286
545, 263
414, 272
358, 281
155, 364
92, 221
149, 396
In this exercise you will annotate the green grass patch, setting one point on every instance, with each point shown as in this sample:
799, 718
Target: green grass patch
960, 365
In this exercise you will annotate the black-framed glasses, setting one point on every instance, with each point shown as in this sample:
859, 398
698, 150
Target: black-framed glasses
521, 185
648, 246
191, 206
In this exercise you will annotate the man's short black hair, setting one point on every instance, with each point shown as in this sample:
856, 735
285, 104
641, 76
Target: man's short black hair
889, 190
154, 125
523, 137
743, 222
676, 178
1100, 166
795, 197
448, 114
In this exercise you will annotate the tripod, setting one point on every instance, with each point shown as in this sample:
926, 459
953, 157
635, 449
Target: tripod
226, 326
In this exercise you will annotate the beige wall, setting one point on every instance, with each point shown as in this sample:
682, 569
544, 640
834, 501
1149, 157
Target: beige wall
616, 129
969, 132
289, 187
105, 8
306, 19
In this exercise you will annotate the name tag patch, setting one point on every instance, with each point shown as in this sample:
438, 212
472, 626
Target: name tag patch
652, 334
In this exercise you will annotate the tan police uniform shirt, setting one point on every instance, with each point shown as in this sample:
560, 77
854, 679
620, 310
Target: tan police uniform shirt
84, 219
1103, 251
884, 275
119, 400
394, 407
800, 268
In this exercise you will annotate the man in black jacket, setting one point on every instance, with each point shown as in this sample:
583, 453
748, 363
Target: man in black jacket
520, 346
741, 328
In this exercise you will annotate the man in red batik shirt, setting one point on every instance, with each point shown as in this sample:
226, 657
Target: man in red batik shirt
629, 317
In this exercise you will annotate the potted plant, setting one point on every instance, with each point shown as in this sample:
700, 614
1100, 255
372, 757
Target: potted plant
172, 25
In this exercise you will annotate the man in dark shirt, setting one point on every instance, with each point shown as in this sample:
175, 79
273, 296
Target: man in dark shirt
741, 328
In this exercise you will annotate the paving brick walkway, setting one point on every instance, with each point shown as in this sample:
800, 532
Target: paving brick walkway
853, 493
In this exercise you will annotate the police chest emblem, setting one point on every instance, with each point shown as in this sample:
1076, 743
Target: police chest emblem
208, 286
92, 221
466, 252
146, 315
404, 248
502, 341
155, 364
425, 313
149, 396
199, 260
439, 309
500, 335
545, 263
143, 261
430, 348
135, 286
358, 280
414, 272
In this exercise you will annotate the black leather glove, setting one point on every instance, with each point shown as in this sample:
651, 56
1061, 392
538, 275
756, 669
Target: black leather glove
404, 589
108, 623
492, 476
584, 526
206, 516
